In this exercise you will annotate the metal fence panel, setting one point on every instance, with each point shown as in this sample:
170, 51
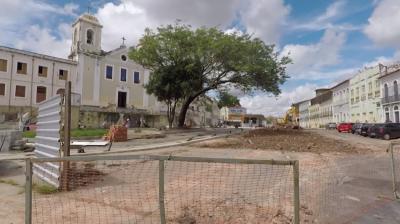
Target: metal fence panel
47, 140
169, 189
395, 166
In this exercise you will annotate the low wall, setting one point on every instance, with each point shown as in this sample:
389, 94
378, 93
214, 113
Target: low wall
9, 138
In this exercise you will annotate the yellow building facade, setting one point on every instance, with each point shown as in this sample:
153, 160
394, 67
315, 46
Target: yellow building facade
365, 101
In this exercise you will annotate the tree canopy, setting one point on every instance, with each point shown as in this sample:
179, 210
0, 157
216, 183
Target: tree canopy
227, 100
188, 62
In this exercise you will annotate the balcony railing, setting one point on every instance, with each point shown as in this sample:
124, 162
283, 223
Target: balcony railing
390, 99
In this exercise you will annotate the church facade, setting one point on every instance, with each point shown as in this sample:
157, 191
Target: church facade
105, 84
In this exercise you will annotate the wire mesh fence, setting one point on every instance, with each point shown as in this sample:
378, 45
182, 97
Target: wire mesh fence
394, 151
345, 189
332, 189
159, 189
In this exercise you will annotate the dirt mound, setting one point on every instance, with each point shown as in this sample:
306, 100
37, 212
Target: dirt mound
283, 140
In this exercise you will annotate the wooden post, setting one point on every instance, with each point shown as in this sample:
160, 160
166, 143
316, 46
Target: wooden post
67, 119
161, 191
296, 195
28, 192
67, 134
394, 179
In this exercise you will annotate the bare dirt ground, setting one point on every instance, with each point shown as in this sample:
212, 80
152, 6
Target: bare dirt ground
285, 140
343, 179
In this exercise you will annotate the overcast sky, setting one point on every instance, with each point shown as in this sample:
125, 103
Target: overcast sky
327, 40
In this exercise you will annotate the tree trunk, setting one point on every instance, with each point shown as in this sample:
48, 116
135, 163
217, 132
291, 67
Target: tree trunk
182, 113
171, 114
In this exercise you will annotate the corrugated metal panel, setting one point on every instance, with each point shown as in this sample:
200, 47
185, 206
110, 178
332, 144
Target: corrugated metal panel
47, 140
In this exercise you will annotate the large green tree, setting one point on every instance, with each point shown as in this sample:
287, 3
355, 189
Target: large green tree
227, 100
204, 59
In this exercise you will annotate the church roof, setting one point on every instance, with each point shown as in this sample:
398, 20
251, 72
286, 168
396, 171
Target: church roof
37, 55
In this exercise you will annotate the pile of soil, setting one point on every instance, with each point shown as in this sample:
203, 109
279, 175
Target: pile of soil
283, 140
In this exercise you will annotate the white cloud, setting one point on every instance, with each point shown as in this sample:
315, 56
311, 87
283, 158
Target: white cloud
19, 26
40, 40
27, 20
333, 10
277, 106
384, 24
123, 20
327, 19
71, 9
136, 15
14, 12
265, 18
308, 60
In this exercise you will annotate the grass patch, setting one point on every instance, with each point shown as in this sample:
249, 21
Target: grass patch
99, 132
9, 181
88, 132
44, 188
28, 134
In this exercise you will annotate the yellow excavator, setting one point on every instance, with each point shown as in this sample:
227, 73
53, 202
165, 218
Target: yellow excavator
291, 118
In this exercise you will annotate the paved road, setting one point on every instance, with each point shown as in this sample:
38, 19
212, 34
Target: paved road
357, 140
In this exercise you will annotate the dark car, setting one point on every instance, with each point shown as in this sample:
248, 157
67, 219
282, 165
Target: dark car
371, 132
388, 131
364, 129
356, 128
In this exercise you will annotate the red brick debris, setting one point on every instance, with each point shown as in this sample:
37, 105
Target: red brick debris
117, 133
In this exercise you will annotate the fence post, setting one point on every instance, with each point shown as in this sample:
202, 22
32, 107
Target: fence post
28, 192
296, 192
393, 171
67, 136
161, 190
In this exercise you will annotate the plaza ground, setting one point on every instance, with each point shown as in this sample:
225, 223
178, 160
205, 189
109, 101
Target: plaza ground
343, 177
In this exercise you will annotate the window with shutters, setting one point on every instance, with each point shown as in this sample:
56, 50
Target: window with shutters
3, 65
136, 77
2, 89
20, 91
40, 94
22, 68
123, 75
42, 71
63, 74
109, 72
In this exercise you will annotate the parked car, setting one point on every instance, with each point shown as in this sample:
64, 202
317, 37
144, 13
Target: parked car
364, 129
356, 128
388, 131
330, 126
344, 127
372, 131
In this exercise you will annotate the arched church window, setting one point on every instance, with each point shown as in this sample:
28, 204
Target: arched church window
89, 36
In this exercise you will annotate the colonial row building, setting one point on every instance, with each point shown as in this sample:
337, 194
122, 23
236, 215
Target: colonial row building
369, 96
105, 84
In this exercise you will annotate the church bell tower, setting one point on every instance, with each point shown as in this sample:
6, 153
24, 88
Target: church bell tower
86, 36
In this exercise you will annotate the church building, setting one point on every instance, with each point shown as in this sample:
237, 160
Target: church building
105, 84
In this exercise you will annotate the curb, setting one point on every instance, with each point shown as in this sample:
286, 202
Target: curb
168, 145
